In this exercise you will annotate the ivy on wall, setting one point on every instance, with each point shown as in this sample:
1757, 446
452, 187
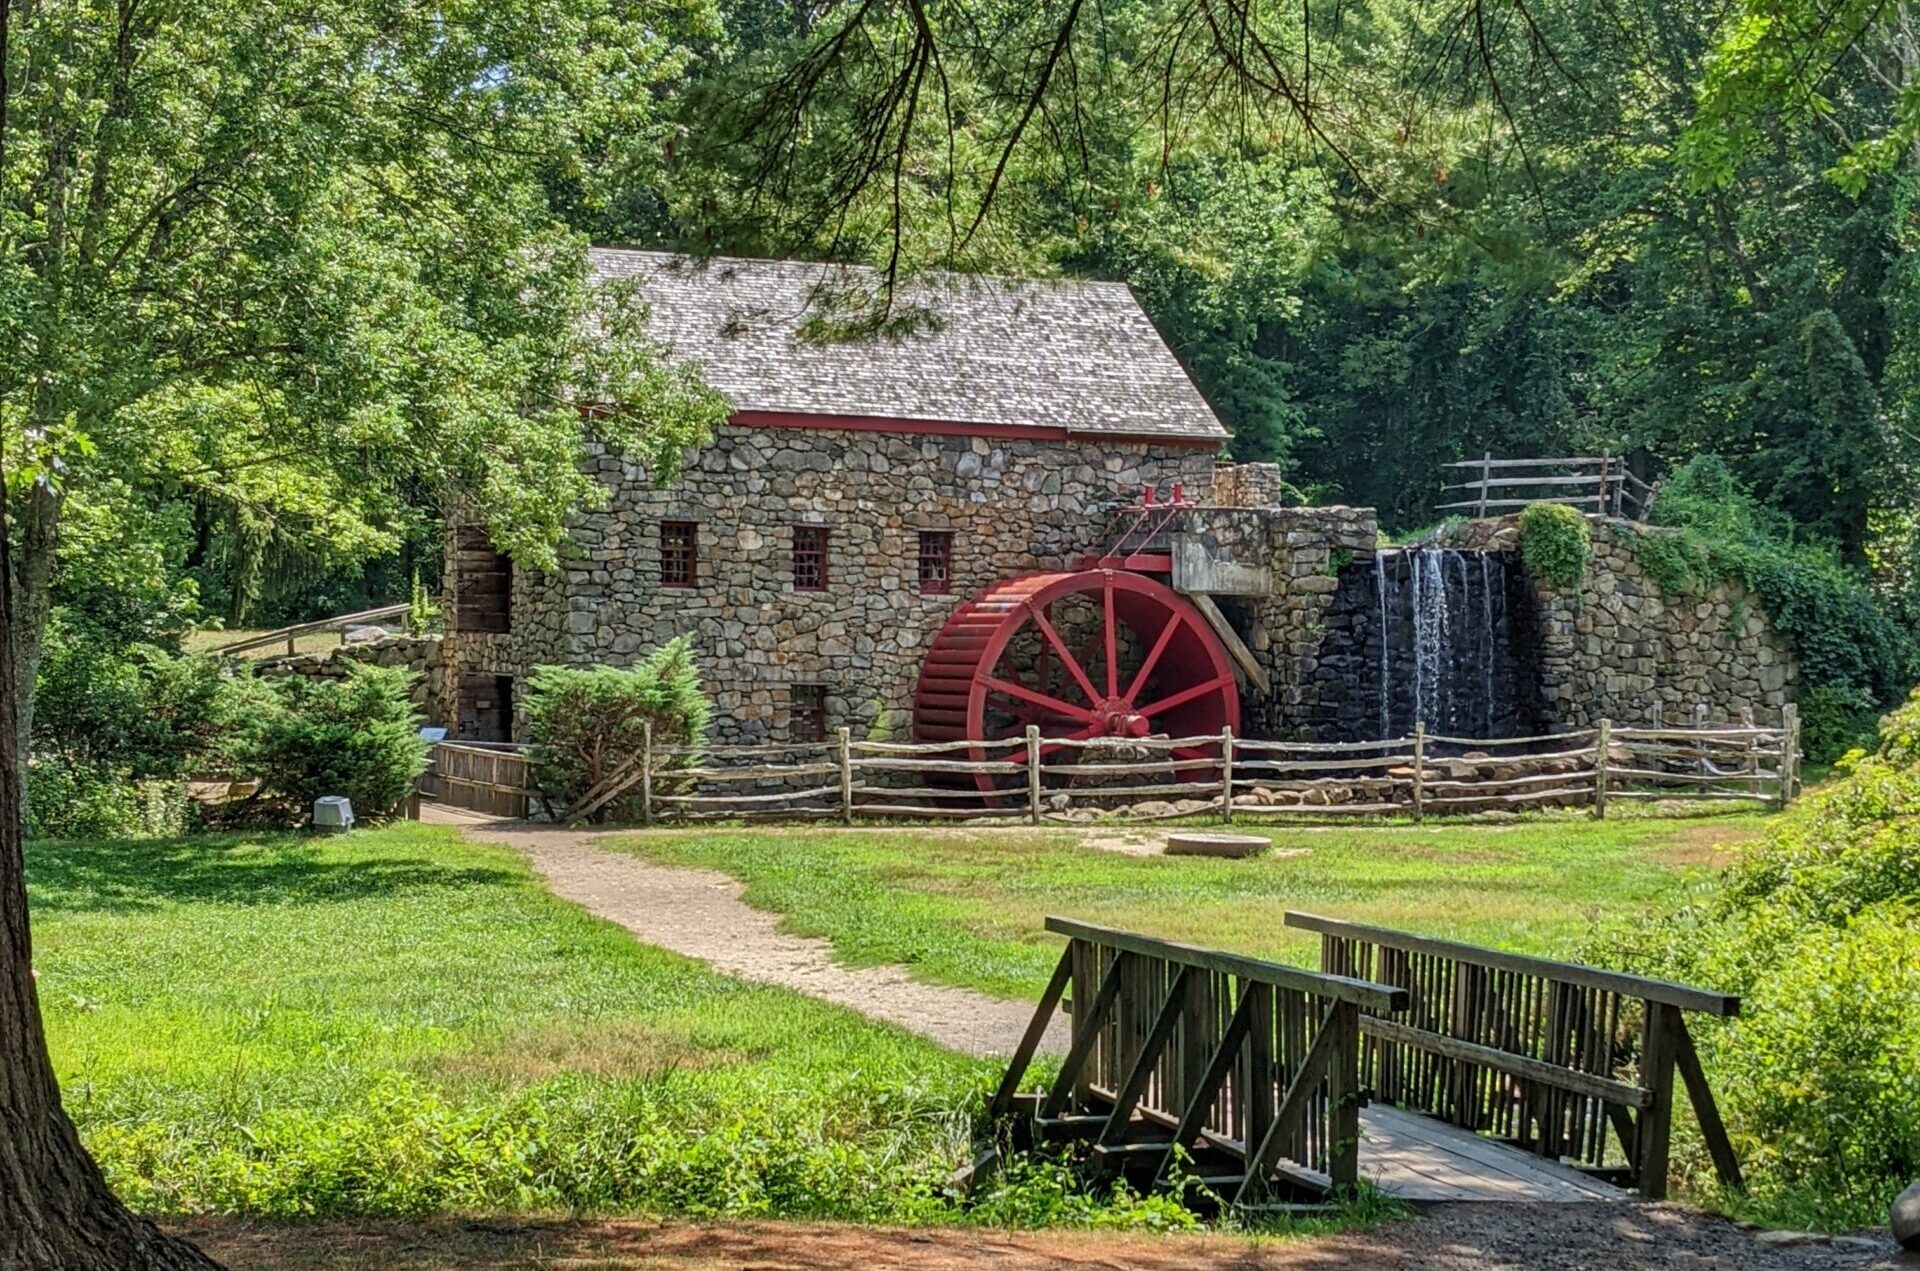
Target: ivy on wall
1555, 542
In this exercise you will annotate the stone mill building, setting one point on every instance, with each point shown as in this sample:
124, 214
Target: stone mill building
1014, 512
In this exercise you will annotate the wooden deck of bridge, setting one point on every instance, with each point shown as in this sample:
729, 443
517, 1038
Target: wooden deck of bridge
1423, 1161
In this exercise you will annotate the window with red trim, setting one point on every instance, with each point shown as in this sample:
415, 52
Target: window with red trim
809, 558
807, 712
936, 562
679, 553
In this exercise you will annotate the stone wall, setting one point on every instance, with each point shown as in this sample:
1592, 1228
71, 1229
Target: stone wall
419, 654
1302, 551
1012, 506
1618, 647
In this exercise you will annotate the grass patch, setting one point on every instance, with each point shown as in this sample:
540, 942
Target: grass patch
400, 1022
966, 907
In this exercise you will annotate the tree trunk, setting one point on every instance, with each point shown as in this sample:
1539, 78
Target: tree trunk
56, 1213
31, 574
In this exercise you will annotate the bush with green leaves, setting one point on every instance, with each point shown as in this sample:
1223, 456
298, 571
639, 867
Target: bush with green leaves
1817, 927
1855, 658
117, 727
358, 736
590, 722
1555, 542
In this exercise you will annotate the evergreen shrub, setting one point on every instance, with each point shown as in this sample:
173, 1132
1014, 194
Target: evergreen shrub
590, 722
358, 736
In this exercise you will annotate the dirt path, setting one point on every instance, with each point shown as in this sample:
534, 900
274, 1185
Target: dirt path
699, 913
1450, 1238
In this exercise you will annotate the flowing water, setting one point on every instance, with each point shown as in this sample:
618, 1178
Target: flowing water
1428, 638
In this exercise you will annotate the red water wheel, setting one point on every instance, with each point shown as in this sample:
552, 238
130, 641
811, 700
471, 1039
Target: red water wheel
1098, 653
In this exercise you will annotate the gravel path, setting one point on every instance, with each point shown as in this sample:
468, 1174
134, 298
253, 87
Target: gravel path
699, 913
1492, 1237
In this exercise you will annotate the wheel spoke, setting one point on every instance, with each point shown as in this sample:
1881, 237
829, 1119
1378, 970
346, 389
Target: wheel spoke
1066, 655
1186, 695
1153, 658
1025, 694
1113, 643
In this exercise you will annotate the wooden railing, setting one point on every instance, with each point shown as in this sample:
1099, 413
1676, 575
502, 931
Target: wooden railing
490, 777
1564, 1060
290, 634
1249, 1069
1056, 781
1599, 486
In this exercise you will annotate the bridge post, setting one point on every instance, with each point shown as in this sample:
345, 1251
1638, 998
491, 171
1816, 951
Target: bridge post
1660, 1037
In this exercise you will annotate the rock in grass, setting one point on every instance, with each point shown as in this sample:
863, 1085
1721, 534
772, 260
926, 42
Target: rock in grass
1906, 1218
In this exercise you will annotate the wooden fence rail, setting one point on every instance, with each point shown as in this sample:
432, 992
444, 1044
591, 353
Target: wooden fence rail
1598, 486
1562, 1060
1059, 781
289, 635
1249, 1068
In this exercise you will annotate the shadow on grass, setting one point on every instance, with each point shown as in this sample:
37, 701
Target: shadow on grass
129, 875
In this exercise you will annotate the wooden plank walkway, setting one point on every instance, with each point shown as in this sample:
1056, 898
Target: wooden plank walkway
1421, 1160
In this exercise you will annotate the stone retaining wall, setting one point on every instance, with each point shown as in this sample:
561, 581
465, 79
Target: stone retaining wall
419, 654
1618, 647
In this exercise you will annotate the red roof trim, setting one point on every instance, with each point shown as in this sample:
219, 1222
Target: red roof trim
943, 428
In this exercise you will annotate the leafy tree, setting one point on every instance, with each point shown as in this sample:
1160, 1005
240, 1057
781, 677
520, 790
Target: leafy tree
295, 266
291, 264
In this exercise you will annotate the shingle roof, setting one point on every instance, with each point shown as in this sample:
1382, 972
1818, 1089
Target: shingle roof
1078, 355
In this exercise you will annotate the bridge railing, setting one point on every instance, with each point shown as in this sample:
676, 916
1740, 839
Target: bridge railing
1563, 1060
1250, 1067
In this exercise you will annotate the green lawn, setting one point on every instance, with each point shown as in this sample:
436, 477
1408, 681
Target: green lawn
966, 907
397, 1021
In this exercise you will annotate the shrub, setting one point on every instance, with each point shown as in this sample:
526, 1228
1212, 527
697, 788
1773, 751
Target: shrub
135, 710
65, 800
1818, 929
358, 736
1554, 542
590, 722
1855, 657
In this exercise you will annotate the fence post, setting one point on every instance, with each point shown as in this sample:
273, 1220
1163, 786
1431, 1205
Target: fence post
1789, 752
646, 772
1486, 479
1033, 773
846, 775
1602, 745
1419, 769
1226, 775
1600, 500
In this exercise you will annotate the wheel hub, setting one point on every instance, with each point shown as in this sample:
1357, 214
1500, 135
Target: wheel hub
1116, 717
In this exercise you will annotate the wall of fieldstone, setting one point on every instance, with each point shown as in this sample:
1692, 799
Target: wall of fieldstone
1012, 506
420, 654
1302, 551
1618, 647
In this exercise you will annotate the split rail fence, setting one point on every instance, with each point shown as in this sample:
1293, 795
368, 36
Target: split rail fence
1597, 486
1047, 780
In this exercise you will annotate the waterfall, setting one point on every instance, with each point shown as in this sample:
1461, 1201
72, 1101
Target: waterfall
1444, 652
1486, 625
1432, 638
1386, 673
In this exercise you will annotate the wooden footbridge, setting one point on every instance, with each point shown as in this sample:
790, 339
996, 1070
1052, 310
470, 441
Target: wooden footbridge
1435, 1070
